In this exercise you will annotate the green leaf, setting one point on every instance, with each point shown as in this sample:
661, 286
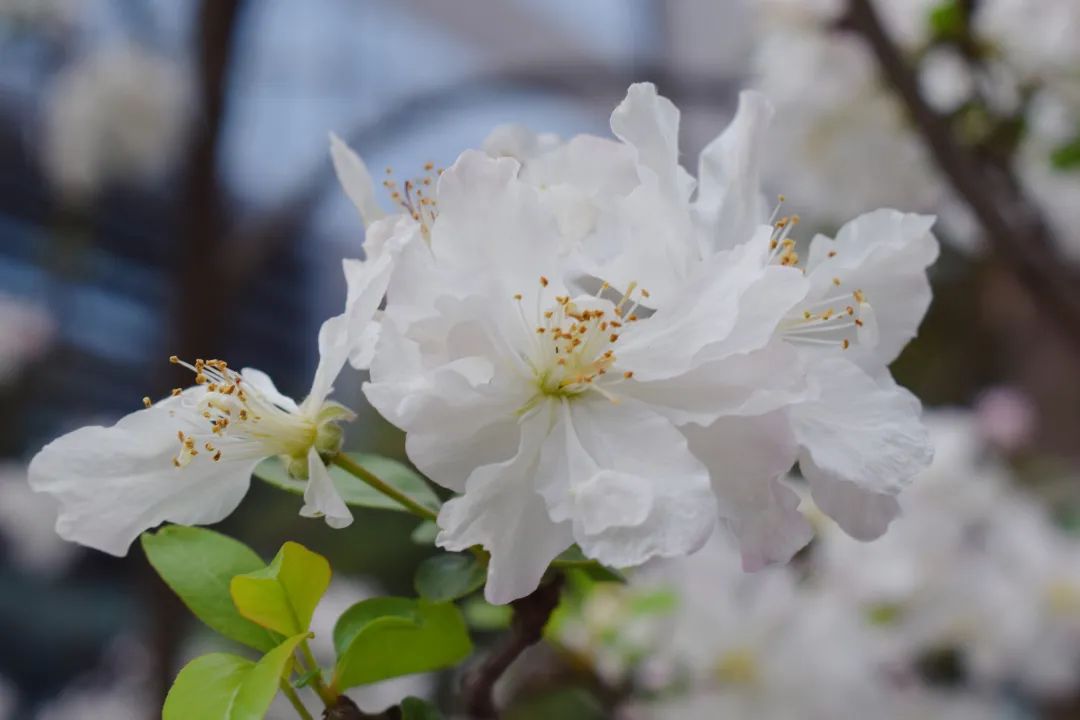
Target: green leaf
424, 533
355, 491
449, 576
228, 687
1067, 156
947, 19
416, 709
198, 564
657, 602
283, 595
482, 615
573, 558
387, 637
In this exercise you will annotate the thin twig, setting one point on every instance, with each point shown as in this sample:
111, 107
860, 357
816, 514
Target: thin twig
531, 614
1011, 223
347, 464
294, 700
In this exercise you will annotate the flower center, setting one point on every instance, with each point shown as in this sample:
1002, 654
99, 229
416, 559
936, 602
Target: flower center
416, 196
573, 341
832, 321
234, 417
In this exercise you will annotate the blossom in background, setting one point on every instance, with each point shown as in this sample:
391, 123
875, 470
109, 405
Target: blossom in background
116, 115
26, 526
562, 323
188, 458
836, 123
973, 564
25, 333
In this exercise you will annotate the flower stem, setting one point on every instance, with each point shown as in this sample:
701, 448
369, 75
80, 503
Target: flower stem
328, 696
347, 464
294, 700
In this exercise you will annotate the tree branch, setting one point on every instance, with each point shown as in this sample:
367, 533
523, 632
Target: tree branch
531, 614
1011, 223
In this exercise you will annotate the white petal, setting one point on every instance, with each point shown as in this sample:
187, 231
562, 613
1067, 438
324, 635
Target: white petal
321, 498
493, 228
732, 305
650, 123
884, 254
113, 483
746, 384
665, 507
746, 457
458, 415
334, 349
860, 430
354, 177
862, 514
501, 511
729, 195
264, 385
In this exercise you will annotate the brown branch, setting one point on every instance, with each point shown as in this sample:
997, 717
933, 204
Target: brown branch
1011, 223
531, 614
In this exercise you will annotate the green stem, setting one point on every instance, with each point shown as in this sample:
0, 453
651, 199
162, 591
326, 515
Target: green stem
294, 700
347, 464
328, 696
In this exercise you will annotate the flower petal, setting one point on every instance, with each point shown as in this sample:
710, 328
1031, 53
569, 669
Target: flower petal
649, 123
664, 507
861, 513
746, 457
501, 511
729, 200
264, 385
354, 177
115, 482
321, 498
884, 254
860, 430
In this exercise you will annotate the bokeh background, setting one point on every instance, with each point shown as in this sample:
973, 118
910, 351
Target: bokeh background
165, 188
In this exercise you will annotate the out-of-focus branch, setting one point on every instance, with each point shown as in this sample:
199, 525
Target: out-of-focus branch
1013, 226
198, 282
531, 614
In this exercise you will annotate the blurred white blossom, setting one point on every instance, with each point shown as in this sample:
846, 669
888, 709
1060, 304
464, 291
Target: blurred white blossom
27, 520
25, 333
118, 114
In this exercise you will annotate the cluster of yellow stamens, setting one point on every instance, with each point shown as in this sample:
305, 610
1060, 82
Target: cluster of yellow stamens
573, 341
826, 321
416, 196
236, 417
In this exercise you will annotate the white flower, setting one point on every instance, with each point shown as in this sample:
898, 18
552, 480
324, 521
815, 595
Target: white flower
551, 409
188, 458
116, 115
571, 332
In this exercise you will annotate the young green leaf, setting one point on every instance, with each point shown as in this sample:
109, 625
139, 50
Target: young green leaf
424, 533
449, 576
228, 687
573, 559
355, 491
198, 564
386, 637
283, 595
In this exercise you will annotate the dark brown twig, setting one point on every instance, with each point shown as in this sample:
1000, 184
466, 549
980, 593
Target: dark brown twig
531, 614
1011, 223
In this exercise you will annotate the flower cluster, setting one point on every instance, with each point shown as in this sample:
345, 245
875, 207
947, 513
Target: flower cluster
968, 604
583, 343
838, 122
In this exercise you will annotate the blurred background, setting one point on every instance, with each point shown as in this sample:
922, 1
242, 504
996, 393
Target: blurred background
165, 188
